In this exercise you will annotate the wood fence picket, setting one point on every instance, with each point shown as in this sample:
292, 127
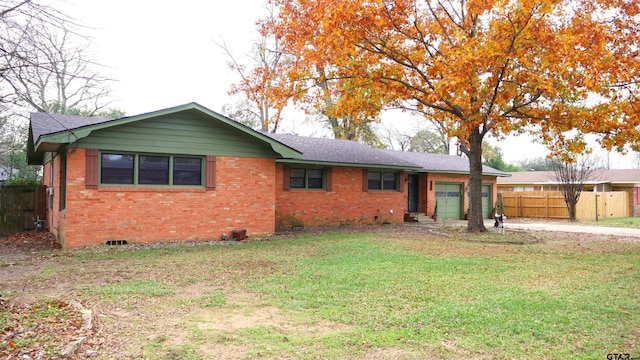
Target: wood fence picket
551, 205
21, 206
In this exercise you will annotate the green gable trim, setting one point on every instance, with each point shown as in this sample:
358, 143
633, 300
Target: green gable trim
174, 124
184, 133
341, 164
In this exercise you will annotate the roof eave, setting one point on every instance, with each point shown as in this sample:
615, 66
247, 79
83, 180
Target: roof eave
461, 172
73, 135
346, 164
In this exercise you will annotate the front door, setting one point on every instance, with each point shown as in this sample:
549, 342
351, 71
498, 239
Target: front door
413, 190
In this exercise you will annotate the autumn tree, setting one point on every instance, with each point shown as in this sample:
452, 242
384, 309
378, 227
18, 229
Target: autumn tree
265, 100
265, 95
348, 117
267, 86
478, 66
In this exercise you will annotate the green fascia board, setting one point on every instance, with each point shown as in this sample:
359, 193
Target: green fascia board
65, 137
33, 157
352, 165
73, 135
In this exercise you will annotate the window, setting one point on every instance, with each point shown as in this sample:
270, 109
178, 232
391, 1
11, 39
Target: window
389, 181
374, 180
298, 178
117, 169
314, 178
187, 171
377, 180
306, 178
154, 170
137, 169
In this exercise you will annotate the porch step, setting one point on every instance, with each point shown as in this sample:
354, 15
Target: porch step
422, 218
418, 217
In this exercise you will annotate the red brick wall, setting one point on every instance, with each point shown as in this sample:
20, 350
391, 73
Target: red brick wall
243, 199
431, 180
55, 217
346, 203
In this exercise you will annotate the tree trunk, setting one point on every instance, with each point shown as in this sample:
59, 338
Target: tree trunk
571, 199
572, 211
476, 222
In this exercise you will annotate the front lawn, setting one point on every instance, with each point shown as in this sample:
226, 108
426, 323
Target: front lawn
622, 222
406, 293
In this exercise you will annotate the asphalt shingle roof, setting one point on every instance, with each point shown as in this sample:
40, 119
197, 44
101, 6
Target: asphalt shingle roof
313, 149
340, 151
346, 151
46, 124
621, 176
441, 162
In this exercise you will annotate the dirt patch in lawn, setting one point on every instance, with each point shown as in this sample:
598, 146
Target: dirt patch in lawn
38, 282
26, 246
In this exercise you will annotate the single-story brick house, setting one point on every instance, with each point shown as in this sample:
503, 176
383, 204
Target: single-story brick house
601, 180
188, 173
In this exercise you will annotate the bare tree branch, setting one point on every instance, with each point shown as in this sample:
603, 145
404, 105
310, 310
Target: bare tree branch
572, 177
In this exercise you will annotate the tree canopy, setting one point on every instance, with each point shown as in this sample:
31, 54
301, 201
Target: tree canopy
556, 69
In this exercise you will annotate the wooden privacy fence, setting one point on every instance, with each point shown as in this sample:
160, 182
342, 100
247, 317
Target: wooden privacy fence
21, 206
551, 205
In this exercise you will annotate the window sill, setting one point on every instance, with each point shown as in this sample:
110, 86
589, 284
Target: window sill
141, 189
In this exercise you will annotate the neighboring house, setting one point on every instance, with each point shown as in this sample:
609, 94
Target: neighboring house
627, 180
188, 173
4, 175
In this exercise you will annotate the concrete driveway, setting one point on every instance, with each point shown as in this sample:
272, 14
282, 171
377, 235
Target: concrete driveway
566, 227
542, 225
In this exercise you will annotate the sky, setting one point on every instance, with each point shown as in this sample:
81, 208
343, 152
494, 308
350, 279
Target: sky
164, 53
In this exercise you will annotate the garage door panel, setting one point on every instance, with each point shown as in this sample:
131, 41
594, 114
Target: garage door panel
449, 201
486, 201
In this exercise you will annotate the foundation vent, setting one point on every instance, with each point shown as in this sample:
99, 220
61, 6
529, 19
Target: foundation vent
116, 242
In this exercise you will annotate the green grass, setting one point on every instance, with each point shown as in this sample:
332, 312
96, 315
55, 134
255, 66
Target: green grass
213, 299
378, 295
117, 292
528, 305
623, 222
